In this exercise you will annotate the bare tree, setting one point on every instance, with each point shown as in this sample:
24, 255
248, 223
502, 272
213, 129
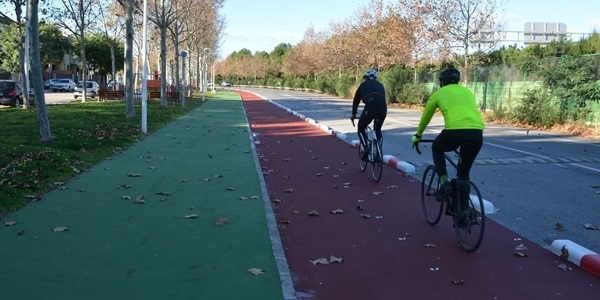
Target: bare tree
77, 16
111, 26
425, 30
471, 23
36, 72
162, 14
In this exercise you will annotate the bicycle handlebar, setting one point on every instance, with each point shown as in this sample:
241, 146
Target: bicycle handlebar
416, 145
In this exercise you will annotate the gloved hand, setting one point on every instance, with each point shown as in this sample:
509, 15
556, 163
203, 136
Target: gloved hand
352, 118
416, 138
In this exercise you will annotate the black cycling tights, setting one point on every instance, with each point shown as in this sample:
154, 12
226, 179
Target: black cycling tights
450, 140
366, 117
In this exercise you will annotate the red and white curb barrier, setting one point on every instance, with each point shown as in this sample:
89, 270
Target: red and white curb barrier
391, 160
582, 257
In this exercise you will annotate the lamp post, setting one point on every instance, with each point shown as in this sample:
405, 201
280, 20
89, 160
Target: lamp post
183, 55
145, 70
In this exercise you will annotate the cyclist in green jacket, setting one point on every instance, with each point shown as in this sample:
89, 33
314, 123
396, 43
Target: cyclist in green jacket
462, 124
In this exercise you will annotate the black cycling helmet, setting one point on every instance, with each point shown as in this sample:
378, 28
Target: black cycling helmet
449, 76
370, 74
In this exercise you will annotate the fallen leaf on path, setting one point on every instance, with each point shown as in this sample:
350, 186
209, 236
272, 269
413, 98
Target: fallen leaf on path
163, 193
60, 229
295, 212
221, 220
182, 180
21, 232
254, 197
289, 191
322, 261
521, 247
286, 177
231, 189
563, 266
140, 199
9, 223
458, 281
125, 197
125, 186
218, 176
377, 193
243, 198
319, 174
520, 254
590, 226
559, 226
276, 200
430, 245
337, 211
359, 208
256, 271
58, 183
392, 187
365, 216
163, 199
284, 221
313, 213
205, 179
334, 259
192, 216
134, 175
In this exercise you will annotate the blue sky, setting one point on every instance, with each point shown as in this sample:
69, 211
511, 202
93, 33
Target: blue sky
260, 25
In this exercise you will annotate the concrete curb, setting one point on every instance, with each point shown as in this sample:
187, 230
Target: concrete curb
584, 258
391, 161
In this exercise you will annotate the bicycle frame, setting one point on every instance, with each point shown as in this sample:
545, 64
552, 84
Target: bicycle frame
464, 203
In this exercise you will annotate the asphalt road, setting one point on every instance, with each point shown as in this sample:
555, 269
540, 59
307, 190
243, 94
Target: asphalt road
543, 185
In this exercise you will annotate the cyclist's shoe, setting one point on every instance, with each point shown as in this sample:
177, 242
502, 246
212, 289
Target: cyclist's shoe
444, 192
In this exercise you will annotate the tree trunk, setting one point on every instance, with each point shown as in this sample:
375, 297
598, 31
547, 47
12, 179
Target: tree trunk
163, 54
36, 72
129, 80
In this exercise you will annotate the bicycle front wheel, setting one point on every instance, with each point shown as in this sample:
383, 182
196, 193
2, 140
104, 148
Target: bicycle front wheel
470, 226
430, 185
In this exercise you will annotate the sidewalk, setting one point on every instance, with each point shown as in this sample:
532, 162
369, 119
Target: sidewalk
200, 165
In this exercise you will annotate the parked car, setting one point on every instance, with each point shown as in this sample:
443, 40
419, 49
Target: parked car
91, 91
64, 85
11, 93
118, 85
49, 83
225, 83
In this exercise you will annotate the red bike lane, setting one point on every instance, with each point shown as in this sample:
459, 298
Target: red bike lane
347, 237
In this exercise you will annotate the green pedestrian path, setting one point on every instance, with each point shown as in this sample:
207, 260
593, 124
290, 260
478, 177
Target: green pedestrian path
182, 214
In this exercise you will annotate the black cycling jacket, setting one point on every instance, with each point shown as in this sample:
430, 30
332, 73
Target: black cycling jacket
372, 93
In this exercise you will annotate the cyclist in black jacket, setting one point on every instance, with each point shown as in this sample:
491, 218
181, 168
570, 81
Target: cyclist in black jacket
372, 93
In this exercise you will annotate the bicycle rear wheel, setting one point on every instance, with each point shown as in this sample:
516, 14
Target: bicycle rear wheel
377, 163
430, 185
471, 227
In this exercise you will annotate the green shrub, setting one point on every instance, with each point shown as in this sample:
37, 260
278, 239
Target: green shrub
413, 93
536, 108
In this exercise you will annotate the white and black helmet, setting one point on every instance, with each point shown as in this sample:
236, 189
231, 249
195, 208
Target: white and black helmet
370, 74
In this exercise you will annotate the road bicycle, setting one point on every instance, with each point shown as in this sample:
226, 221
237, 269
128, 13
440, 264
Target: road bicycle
469, 223
375, 155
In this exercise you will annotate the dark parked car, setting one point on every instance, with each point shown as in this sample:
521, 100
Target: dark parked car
11, 93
